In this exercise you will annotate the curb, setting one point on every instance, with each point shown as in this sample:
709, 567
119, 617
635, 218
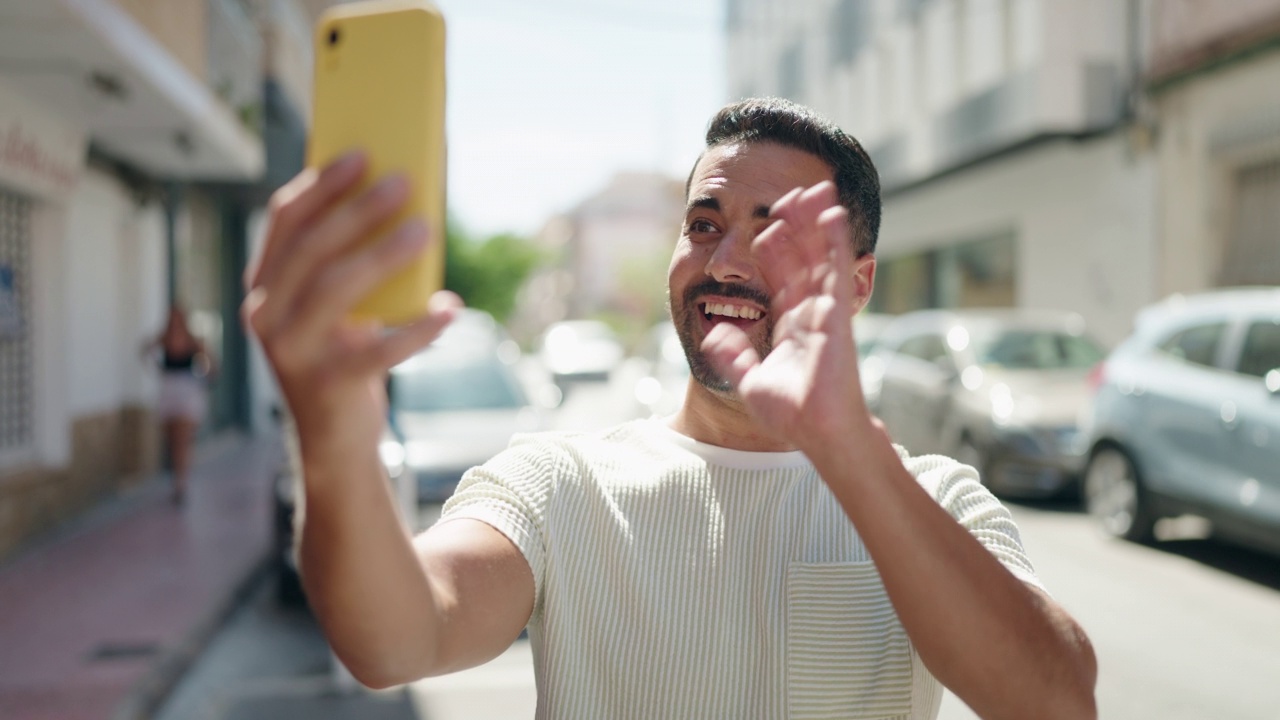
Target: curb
146, 697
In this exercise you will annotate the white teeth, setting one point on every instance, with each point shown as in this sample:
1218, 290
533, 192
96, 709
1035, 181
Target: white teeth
733, 311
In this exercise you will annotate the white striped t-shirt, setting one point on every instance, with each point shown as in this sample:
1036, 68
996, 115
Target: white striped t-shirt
676, 579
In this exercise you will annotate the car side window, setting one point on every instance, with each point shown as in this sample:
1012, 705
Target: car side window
1261, 351
1197, 344
925, 347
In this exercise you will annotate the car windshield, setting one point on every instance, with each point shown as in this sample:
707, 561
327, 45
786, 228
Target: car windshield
1037, 350
443, 383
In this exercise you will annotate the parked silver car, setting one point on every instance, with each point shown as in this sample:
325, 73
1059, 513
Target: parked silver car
1001, 390
455, 405
1186, 419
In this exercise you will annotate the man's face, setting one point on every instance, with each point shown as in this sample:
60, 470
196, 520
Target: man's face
713, 276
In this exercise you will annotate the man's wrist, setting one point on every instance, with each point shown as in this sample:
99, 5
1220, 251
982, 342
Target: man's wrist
852, 450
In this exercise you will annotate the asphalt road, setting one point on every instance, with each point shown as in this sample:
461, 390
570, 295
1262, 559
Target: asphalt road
1186, 630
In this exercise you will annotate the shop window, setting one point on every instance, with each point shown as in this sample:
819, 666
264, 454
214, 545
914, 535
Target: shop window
976, 273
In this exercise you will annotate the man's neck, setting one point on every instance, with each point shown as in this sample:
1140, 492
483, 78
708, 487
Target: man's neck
722, 420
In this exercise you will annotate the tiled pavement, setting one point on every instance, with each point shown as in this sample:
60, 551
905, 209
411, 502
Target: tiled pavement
98, 622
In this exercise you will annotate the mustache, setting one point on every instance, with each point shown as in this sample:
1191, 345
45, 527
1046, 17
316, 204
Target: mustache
711, 286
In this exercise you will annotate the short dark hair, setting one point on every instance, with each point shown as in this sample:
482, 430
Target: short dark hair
789, 124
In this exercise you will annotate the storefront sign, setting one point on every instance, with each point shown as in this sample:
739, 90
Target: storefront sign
40, 154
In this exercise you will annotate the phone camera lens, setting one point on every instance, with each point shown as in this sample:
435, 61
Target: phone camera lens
333, 37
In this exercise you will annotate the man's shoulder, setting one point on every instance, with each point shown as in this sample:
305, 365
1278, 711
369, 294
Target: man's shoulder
936, 473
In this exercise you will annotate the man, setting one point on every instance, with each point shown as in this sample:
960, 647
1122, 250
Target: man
766, 552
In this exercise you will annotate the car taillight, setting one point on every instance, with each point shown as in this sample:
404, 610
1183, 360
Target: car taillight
1096, 377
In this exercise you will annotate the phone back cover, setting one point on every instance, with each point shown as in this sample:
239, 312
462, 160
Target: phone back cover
381, 88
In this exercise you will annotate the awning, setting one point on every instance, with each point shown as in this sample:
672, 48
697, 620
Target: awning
93, 64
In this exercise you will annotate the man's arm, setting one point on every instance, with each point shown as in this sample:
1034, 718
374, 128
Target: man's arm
393, 611
397, 609
1004, 648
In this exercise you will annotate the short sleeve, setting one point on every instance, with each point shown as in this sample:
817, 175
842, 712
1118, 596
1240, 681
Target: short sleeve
510, 493
956, 488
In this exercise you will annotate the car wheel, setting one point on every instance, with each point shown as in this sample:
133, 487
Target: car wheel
1114, 495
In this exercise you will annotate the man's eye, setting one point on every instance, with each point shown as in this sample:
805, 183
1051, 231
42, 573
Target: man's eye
701, 226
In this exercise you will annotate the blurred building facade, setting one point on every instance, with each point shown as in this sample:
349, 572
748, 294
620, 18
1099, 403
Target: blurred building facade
1212, 80
1076, 154
137, 140
613, 250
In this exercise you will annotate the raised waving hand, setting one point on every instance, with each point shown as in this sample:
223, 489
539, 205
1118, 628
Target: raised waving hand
807, 389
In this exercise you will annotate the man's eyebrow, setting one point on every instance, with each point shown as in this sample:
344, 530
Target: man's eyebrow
704, 201
712, 203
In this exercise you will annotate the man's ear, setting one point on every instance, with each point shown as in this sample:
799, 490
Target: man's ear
864, 281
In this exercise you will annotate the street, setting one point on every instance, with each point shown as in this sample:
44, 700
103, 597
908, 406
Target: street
1187, 630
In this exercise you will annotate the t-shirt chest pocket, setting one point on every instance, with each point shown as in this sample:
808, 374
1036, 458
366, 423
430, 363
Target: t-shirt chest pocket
848, 656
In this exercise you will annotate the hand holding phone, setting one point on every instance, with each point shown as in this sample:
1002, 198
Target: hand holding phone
380, 89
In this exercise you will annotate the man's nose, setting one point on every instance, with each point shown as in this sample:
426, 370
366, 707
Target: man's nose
731, 260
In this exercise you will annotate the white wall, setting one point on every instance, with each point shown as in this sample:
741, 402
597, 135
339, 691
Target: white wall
1210, 127
94, 290
904, 87
1082, 214
48, 327
143, 309
98, 264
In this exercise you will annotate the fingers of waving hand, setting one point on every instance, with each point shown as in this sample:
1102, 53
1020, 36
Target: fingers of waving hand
807, 242
800, 210
296, 204
833, 223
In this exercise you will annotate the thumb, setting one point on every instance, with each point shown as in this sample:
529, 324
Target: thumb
729, 351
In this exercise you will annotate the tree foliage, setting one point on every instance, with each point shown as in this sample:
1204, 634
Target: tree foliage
488, 273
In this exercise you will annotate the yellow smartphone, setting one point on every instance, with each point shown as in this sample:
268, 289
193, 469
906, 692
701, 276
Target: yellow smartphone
380, 87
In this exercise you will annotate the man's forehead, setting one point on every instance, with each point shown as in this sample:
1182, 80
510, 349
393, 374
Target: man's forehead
763, 171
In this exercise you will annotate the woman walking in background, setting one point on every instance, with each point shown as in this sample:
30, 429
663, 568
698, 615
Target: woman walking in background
183, 402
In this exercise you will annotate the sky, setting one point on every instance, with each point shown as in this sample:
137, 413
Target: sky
548, 100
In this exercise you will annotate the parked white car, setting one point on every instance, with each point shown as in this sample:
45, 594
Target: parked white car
580, 350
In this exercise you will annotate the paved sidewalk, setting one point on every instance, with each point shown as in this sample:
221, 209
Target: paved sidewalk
99, 622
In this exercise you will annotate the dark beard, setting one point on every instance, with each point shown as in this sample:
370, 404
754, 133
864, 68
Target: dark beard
688, 318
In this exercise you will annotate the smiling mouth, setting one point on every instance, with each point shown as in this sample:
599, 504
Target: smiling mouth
740, 315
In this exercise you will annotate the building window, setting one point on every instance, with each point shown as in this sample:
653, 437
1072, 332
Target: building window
16, 372
1252, 252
